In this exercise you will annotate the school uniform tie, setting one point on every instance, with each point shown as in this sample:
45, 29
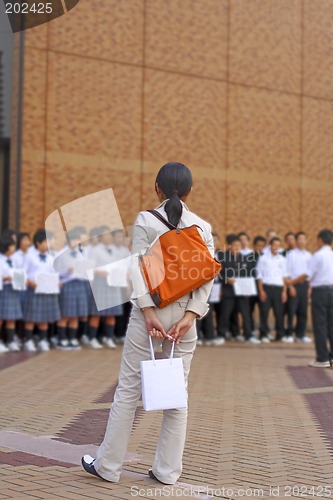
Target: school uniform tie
73, 253
42, 257
9, 262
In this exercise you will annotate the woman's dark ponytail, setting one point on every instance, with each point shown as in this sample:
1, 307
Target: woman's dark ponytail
174, 209
175, 180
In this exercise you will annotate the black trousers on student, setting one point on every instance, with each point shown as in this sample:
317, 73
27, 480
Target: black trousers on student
233, 323
205, 326
322, 318
274, 301
288, 316
254, 300
228, 305
298, 306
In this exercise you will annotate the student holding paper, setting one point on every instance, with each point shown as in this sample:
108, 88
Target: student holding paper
73, 299
10, 305
106, 300
236, 266
42, 299
173, 323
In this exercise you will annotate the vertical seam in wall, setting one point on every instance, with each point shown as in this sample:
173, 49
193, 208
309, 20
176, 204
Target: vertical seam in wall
64, 6
45, 123
143, 101
301, 218
19, 132
227, 119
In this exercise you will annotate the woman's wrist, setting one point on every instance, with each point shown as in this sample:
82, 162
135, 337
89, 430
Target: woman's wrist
143, 309
192, 314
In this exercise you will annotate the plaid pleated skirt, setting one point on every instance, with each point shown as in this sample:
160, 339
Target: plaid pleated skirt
103, 297
40, 307
73, 299
10, 304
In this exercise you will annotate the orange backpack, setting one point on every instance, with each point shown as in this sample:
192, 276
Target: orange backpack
177, 263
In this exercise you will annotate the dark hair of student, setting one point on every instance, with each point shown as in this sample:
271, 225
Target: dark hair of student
290, 233
326, 236
175, 180
39, 236
243, 233
274, 239
300, 233
233, 238
80, 229
259, 238
74, 234
20, 237
95, 231
5, 243
230, 238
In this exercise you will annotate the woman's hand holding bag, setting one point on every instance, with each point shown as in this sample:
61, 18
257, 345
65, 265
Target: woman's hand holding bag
178, 330
154, 327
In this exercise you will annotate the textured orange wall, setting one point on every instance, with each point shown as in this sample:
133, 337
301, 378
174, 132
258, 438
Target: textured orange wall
239, 90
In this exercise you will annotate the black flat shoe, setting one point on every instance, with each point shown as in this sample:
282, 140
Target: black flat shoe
152, 476
88, 464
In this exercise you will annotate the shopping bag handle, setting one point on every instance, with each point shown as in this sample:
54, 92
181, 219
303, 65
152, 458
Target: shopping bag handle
153, 354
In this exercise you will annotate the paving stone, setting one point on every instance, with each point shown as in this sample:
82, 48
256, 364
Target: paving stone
258, 417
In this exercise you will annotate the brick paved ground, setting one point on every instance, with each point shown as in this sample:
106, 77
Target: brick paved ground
259, 418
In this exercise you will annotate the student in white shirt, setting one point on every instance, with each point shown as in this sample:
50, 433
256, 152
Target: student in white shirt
84, 248
321, 281
106, 300
298, 261
23, 245
272, 273
290, 243
245, 242
73, 298
20, 256
269, 236
39, 308
10, 305
4, 277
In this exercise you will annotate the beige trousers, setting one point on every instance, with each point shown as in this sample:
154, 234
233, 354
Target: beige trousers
167, 464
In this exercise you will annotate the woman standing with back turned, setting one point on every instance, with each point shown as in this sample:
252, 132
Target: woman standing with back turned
177, 320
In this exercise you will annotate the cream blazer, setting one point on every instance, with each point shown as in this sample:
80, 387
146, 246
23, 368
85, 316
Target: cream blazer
146, 229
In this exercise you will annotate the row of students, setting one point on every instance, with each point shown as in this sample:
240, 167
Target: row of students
283, 279
73, 307
275, 271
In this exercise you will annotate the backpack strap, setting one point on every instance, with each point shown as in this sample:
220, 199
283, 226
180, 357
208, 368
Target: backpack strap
162, 219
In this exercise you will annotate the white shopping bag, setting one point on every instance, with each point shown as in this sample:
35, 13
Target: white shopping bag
163, 382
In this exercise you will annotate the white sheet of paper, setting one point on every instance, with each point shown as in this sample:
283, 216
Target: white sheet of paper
19, 279
1, 283
245, 286
118, 273
215, 294
47, 283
